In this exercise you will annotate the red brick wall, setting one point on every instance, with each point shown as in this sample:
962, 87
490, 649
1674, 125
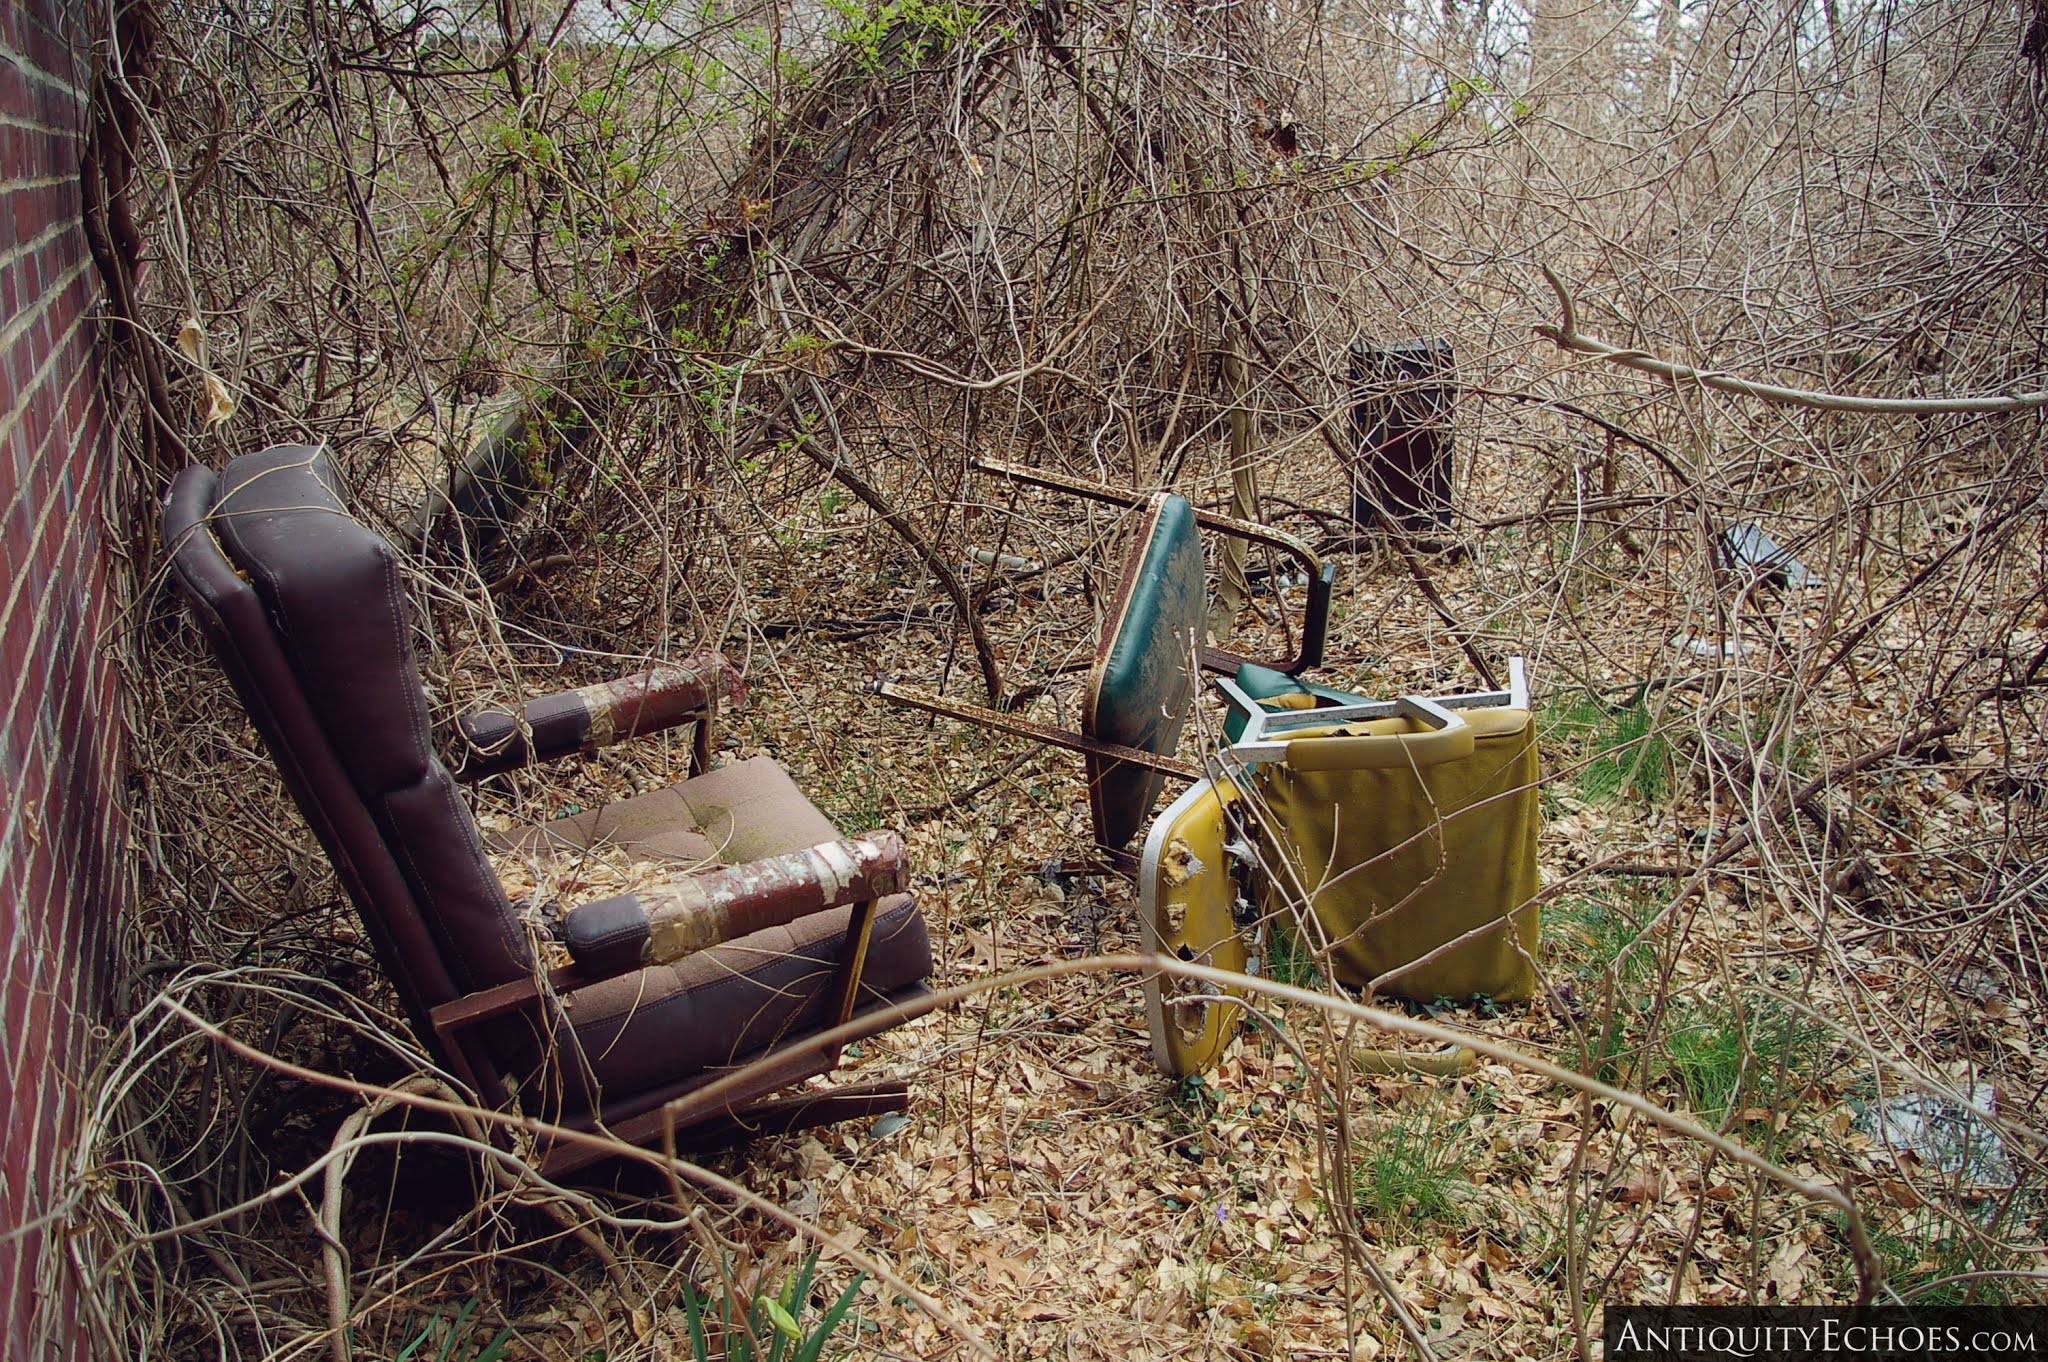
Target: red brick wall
60, 783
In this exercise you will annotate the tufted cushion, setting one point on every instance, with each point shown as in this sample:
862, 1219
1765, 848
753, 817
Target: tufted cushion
743, 812
332, 589
724, 1005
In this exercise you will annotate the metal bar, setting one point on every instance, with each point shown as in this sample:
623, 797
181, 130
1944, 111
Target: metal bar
1117, 496
498, 739
731, 1093
783, 1116
853, 961
1262, 739
1351, 714
1059, 482
701, 741
665, 922
733, 1090
1321, 577
1025, 728
471, 1008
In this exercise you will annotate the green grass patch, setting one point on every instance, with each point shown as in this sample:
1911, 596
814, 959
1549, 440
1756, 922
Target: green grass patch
460, 1337
777, 1328
1597, 940
1924, 1254
1413, 1164
1619, 753
1593, 934
1722, 1057
1287, 960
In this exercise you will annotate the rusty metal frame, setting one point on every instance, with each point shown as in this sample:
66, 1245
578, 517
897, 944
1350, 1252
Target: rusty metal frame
982, 716
500, 738
1263, 737
1321, 576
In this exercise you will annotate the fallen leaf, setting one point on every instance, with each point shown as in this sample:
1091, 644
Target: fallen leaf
220, 403
1636, 1189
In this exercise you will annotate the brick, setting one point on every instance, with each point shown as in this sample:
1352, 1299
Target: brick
14, 465
24, 213
13, 91
50, 52
59, 264
16, 638
28, 271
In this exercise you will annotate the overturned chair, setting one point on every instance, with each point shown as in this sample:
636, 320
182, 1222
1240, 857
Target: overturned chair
772, 929
1398, 837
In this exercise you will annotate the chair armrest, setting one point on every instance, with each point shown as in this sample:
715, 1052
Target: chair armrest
551, 726
519, 995
668, 921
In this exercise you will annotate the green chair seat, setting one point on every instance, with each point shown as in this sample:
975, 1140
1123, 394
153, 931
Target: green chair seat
1142, 684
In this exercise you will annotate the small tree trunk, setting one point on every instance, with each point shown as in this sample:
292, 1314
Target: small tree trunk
1233, 590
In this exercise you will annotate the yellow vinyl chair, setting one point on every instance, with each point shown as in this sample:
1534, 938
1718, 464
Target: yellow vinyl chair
1401, 834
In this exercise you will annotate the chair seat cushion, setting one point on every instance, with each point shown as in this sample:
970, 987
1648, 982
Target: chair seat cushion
737, 813
648, 1028
723, 1006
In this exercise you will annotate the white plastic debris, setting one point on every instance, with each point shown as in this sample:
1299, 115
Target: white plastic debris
1945, 1136
1708, 648
1750, 550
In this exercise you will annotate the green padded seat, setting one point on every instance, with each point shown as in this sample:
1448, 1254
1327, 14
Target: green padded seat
1141, 686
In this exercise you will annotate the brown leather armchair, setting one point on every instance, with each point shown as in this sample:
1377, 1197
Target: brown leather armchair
772, 929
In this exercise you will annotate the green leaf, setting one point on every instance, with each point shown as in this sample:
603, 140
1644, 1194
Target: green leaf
796, 1290
700, 1346
495, 1349
815, 1344
455, 1329
784, 1322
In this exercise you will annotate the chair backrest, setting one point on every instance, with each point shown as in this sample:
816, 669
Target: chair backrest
304, 607
1141, 686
